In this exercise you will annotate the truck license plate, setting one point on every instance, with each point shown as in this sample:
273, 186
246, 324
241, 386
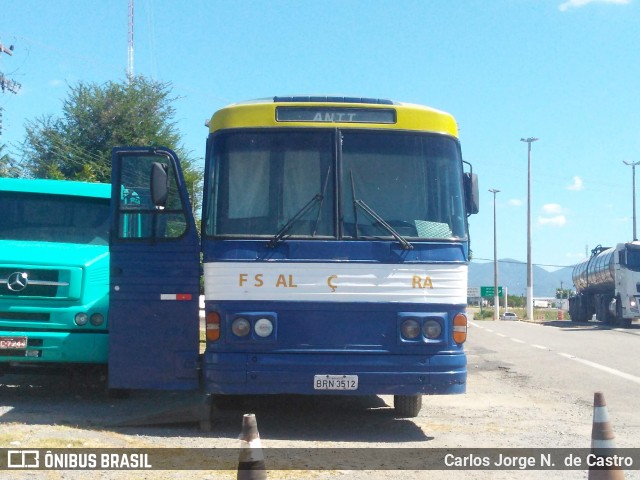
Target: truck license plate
13, 343
335, 382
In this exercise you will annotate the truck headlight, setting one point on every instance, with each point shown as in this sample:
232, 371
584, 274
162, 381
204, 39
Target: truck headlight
81, 319
97, 319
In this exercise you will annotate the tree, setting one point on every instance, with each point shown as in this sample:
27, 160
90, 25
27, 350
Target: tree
7, 167
95, 118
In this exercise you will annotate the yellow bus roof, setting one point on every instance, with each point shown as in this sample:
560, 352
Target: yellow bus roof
264, 113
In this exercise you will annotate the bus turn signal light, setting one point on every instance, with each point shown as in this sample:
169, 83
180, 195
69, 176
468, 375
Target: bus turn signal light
460, 328
213, 326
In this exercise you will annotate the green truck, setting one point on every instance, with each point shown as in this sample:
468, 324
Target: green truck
54, 273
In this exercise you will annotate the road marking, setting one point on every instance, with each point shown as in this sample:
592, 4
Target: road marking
541, 347
518, 341
501, 335
612, 371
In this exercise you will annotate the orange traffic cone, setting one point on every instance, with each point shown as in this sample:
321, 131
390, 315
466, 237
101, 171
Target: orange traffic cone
251, 461
601, 440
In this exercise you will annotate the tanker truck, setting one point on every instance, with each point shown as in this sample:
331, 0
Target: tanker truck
608, 285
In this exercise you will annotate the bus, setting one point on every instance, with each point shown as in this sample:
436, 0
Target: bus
335, 249
54, 273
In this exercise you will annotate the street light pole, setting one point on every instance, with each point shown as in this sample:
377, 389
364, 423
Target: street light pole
633, 176
496, 300
529, 141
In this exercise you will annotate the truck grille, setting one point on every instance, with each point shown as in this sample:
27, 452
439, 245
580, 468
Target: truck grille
25, 316
16, 282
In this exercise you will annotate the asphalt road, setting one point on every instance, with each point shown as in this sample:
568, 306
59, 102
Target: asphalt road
575, 359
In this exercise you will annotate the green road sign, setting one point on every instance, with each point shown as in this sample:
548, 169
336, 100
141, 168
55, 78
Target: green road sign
490, 291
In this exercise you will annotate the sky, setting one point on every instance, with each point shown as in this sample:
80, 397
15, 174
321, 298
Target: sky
564, 71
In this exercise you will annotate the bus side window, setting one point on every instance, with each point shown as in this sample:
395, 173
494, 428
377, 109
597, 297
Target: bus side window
139, 216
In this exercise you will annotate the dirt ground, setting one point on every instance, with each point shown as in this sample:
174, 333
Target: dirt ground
500, 409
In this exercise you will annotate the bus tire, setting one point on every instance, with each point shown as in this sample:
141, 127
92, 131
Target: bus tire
407, 406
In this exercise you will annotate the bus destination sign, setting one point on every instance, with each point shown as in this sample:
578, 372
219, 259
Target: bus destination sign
336, 115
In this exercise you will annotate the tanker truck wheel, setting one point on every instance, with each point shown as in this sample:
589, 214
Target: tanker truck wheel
573, 311
619, 320
578, 313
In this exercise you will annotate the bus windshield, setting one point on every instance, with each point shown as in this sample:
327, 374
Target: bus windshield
313, 183
54, 218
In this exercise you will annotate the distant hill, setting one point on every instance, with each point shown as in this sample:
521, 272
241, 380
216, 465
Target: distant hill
513, 275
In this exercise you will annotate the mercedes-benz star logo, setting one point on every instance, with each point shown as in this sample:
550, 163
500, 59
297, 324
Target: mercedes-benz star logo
17, 281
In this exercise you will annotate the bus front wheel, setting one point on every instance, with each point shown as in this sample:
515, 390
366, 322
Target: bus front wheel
407, 406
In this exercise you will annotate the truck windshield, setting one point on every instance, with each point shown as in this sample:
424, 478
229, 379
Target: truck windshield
633, 259
262, 179
54, 218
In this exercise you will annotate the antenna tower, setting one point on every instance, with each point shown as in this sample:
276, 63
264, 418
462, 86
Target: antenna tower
130, 61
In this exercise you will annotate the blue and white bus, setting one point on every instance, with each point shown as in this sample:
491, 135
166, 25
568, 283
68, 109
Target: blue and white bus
335, 251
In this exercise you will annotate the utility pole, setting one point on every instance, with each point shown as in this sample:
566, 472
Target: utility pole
7, 83
633, 176
529, 266
496, 300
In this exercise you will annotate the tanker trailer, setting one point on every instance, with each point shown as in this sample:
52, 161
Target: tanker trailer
608, 285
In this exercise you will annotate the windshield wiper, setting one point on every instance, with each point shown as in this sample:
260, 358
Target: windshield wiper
369, 211
287, 226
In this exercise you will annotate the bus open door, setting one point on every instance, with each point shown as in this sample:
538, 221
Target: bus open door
154, 286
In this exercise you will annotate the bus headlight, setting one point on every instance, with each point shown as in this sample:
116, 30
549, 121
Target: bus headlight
241, 327
81, 319
96, 319
263, 327
431, 329
410, 329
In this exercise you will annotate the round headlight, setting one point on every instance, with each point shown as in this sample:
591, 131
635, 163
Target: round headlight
241, 327
96, 319
81, 319
410, 329
431, 329
263, 327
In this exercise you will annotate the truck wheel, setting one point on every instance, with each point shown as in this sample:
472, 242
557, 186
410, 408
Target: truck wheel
407, 406
573, 311
578, 314
619, 320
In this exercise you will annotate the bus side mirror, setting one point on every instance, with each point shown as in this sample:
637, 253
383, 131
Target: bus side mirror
159, 184
471, 194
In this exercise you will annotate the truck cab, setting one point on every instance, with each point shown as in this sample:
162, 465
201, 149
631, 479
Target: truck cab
54, 273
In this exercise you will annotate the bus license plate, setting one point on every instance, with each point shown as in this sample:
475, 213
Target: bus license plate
13, 343
335, 382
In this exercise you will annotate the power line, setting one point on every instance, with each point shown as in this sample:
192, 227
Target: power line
517, 262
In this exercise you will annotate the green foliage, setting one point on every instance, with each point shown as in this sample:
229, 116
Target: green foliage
563, 292
95, 118
7, 167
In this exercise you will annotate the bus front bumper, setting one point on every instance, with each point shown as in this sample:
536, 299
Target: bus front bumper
57, 347
298, 373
